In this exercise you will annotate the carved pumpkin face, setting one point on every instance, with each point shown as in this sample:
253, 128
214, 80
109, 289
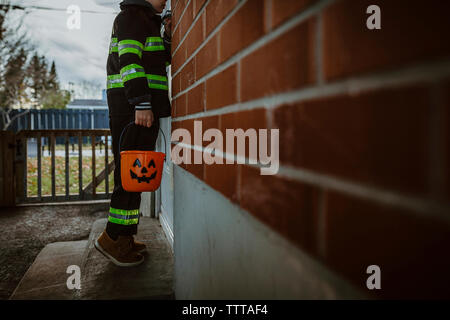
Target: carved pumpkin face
141, 171
142, 175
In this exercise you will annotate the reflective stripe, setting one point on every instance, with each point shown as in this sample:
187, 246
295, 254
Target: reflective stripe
126, 46
154, 39
154, 48
120, 221
154, 44
133, 42
130, 46
114, 81
157, 82
123, 211
119, 216
114, 46
136, 47
156, 77
132, 71
154, 81
125, 217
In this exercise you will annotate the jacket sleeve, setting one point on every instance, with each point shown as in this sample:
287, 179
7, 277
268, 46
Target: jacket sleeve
131, 41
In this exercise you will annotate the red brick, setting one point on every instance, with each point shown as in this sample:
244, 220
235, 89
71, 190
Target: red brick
179, 108
350, 48
221, 90
178, 58
176, 38
378, 138
188, 74
211, 122
186, 20
196, 99
206, 123
185, 124
198, 4
288, 207
410, 251
248, 119
195, 37
285, 9
179, 5
243, 28
207, 58
285, 63
175, 125
176, 87
177, 11
173, 106
223, 178
174, 15
188, 125
216, 11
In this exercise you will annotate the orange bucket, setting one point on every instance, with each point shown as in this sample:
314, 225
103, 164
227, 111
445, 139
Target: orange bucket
140, 171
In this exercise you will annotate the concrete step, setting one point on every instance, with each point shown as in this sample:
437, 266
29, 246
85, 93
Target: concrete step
46, 278
153, 279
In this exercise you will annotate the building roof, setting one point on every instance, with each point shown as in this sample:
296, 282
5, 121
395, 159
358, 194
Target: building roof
88, 102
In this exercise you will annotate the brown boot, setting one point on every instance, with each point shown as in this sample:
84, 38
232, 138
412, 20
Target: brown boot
139, 246
120, 252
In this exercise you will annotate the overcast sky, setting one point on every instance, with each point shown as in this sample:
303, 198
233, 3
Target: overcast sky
79, 54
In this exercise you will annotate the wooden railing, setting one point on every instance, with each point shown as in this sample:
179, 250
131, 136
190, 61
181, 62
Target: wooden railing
7, 192
87, 192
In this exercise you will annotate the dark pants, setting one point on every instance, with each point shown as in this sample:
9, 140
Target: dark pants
134, 138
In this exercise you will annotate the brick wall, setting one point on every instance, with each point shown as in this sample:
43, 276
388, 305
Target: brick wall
363, 117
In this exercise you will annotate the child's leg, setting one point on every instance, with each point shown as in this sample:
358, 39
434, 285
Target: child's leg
124, 209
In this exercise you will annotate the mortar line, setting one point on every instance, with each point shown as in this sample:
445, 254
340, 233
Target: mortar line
275, 33
212, 33
181, 17
421, 207
426, 73
319, 49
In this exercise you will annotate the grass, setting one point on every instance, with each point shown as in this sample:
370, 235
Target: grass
60, 177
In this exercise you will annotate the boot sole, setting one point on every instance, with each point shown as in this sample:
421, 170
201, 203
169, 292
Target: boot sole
115, 261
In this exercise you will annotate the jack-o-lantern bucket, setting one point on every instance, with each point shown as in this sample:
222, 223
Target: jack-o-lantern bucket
140, 171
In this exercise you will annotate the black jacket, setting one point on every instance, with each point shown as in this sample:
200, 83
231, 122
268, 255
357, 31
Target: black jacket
137, 62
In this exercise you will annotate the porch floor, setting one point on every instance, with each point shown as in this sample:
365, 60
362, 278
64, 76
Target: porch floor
100, 279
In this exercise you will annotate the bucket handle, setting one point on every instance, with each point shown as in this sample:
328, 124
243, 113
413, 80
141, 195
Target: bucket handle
130, 124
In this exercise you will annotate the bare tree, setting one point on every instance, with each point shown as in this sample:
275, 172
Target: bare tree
23, 79
13, 55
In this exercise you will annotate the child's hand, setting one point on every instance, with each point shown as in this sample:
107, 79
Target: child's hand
144, 118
